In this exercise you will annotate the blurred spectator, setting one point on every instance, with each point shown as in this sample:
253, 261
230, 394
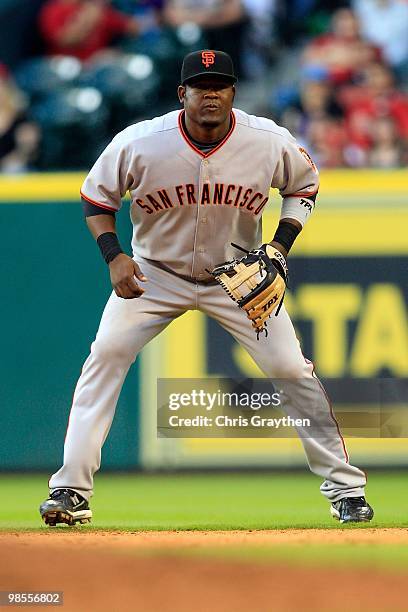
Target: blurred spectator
374, 98
148, 14
387, 148
325, 139
222, 21
82, 28
339, 55
316, 101
260, 37
19, 138
385, 23
297, 19
140, 8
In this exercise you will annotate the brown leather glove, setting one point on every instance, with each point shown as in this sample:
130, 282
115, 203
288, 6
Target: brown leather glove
256, 282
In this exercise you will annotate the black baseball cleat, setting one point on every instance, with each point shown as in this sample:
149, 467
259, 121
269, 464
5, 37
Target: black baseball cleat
352, 510
65, 506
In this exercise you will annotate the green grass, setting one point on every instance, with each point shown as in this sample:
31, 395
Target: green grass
225, 502
205, 501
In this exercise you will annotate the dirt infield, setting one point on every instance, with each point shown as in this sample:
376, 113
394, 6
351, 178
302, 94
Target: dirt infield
157, 572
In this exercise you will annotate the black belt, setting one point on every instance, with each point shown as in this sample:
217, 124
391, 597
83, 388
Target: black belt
189, 279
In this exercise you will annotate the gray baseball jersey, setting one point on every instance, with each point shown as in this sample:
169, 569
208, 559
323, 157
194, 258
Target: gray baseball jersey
187, 206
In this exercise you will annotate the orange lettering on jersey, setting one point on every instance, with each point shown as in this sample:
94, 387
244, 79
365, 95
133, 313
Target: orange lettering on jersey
262, 204
147, 208
218, 193
205, 194
246, 197
163, 195
227, 194
237, 196
208, 58
180, 194
190, 194
252, 200
154, 202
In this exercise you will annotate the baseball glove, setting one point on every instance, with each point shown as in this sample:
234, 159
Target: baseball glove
256, 282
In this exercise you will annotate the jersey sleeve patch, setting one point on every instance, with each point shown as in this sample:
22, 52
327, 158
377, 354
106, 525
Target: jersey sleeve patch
308, 159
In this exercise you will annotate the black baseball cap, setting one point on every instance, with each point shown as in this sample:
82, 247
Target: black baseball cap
207, 62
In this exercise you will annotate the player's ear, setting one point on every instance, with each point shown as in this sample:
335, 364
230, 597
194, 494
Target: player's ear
181, 93
233, 92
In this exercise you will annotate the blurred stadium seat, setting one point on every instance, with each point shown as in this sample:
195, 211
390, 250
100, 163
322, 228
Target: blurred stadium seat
128, 83
74, 124
167, 49
40, 76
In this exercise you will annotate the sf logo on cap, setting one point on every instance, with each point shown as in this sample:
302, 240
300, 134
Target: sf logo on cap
207, 58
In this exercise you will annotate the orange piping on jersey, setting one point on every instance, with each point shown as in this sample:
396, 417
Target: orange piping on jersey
301, 194
97, 203
188, 141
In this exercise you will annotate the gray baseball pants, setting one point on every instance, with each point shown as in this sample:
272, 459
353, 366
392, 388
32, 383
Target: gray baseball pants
128, 325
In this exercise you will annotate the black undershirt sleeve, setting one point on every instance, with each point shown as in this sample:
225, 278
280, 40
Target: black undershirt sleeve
90, 210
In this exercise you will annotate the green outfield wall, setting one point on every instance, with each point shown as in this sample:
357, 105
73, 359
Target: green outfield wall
349, 279
54, 287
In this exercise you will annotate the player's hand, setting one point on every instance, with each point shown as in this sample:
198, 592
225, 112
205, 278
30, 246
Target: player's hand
123, 273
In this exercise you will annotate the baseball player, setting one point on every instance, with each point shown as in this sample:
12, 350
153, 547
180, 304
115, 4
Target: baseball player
199, 180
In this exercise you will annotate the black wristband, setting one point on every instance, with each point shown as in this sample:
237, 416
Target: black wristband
286, 234
109, 245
